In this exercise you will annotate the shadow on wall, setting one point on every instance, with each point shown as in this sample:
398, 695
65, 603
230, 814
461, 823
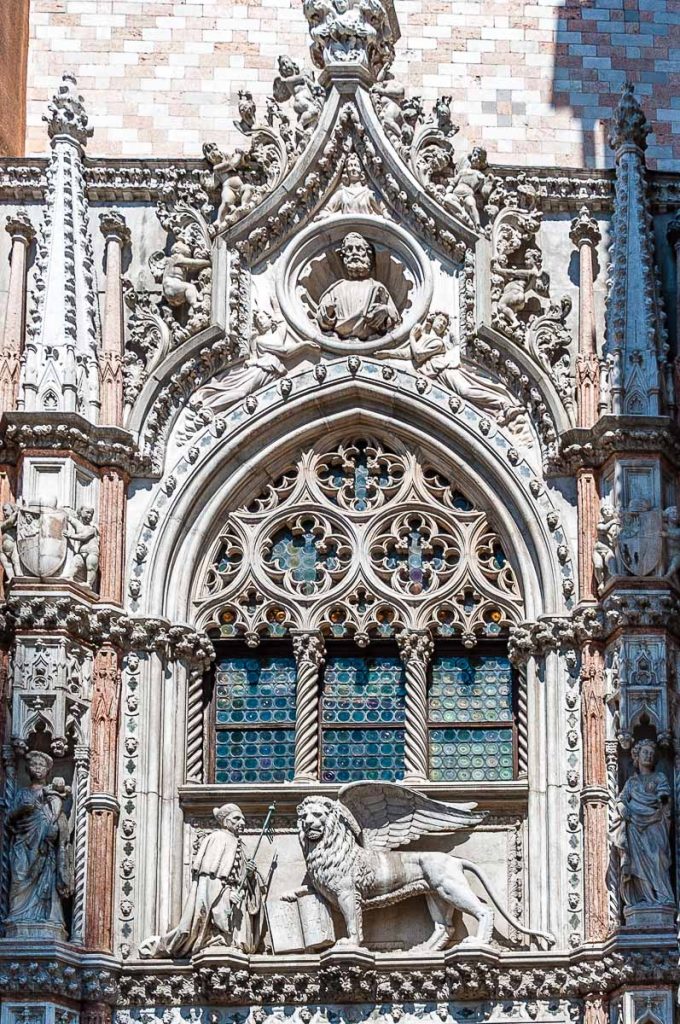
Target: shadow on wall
600, 44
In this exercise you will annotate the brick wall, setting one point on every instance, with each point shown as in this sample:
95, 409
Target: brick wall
532, 81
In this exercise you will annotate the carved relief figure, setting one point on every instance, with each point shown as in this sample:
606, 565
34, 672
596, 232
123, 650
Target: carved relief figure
224, 905
359, 306
436, 354
672, 537
9, 554
348, 843
41, 853
269, 346
175, 272
355, 195
469, 184
388, 97
307, 96
641, 834
84, 537
520, 283
605, 563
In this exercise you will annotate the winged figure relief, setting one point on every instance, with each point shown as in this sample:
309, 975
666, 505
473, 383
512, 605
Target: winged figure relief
352, 853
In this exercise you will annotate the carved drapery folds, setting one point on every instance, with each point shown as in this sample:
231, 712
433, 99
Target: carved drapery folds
360, 540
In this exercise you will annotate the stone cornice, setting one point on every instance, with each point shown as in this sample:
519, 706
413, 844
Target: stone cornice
56, 607
71, 432
581, 448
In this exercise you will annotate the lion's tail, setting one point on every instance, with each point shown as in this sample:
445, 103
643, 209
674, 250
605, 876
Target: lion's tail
547, 937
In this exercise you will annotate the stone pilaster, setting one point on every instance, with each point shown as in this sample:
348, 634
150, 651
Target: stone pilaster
102, 805
112, 508
309, 655
22, 234
595, 795
117, 236
415, 648
585, 235
588, 500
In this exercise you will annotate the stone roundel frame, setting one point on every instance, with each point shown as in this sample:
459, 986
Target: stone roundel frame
319, 238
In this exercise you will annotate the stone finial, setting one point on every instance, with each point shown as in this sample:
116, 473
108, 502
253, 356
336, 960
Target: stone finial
584, 229
18, 225
66, 113
673, 233
628, 124
352, 32
112, 225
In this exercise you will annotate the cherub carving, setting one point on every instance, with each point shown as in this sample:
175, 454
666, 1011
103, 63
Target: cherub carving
9, 554
470, 183
605, 562
388, 97
231, 170
671, 535
349, 847
521, 284
84, 537
307, 96
175, 272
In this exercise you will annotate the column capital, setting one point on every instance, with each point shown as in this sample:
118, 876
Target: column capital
415, 644
114, 227
308, 645
19, 226
584, 229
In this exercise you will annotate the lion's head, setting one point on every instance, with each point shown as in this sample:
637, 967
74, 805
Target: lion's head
329, 837
319, 816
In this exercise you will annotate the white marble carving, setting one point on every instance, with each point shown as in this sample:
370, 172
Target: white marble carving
351, 32
605, 562
358, 306
46, 541
354, 194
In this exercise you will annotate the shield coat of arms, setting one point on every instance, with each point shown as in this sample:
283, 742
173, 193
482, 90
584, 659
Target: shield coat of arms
640, 540
41, 541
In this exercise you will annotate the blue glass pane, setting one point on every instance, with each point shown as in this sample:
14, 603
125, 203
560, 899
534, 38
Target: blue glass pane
302, 553
471, 755
254, 755
253, 691
360, 690
349, 755
471, 689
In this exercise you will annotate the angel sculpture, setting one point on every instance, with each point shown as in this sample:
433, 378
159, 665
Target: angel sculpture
347, 845
520, 284
175, 272
307, 96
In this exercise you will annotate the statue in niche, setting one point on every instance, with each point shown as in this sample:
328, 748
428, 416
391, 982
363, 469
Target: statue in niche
470, 183
355, 195
9, 553
436, 355
84, 538
605, 562
41, 853
307, 96
642, 833
348, 846
358, 306
268, 347
224, 907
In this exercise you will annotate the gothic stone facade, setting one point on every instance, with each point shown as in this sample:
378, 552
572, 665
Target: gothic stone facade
341, 565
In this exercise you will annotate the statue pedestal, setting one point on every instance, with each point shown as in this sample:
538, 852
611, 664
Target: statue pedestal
35, 930
657, 917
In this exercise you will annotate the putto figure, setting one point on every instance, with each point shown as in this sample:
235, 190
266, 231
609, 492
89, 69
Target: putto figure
41, 854
224, 905
348, 847
359, 306
642, 833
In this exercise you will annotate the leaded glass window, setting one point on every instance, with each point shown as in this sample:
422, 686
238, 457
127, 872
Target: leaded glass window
362, 715
254, 716
471, 722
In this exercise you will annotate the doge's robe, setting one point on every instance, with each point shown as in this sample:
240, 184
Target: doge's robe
357, 309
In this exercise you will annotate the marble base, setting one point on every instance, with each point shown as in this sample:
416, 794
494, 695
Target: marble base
654, 918
35, 930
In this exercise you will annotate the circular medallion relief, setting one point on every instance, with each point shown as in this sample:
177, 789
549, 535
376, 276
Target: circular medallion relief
355, 284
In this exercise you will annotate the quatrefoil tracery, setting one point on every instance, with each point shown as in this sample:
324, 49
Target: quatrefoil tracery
361, 540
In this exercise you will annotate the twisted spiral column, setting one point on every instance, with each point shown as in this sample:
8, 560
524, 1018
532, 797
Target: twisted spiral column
80, 789
612, 757
9, 763
309, 651
415, 648
522, 727
195, 714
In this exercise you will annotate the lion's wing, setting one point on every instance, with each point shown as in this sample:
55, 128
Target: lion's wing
391, 815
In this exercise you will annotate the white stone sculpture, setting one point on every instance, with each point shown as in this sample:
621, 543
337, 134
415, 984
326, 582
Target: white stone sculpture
342, 31
9, 554
84, 537
224, 905
300, 87
354, 195
605, 562
175, 272
358, 306
388, 96
470, 183
41, 854
641, 834
269, 346
521, 282
348, 847
671, 535
436, 354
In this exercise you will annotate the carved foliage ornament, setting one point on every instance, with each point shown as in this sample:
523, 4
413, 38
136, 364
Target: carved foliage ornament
342, 525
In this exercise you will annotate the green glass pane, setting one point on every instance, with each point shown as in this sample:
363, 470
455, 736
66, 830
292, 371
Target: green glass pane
470, 755
471, 689
254, 755
253, 690
349, 755
363, 689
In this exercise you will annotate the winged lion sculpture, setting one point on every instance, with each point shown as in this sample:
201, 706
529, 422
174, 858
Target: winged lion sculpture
351, 853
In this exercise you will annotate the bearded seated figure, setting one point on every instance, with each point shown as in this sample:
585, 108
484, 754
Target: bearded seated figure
359, 306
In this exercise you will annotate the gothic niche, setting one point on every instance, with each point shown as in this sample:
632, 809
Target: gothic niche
354, 285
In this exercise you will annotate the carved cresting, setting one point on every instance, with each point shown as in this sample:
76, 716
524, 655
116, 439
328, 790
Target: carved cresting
309, 655
102, 804
595, 794
416, 650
